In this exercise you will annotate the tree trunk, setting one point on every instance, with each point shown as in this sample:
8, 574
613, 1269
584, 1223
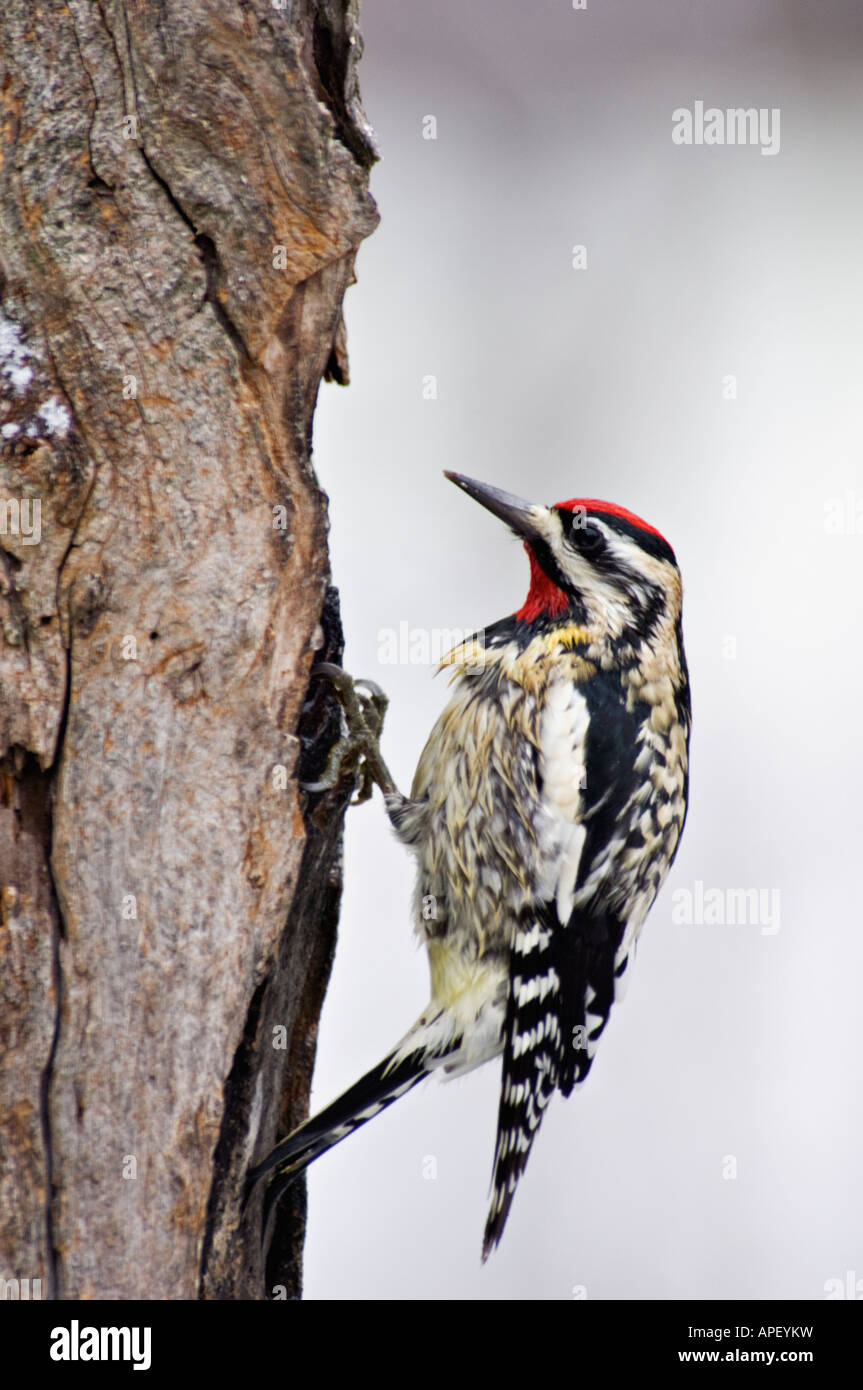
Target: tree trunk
184, 188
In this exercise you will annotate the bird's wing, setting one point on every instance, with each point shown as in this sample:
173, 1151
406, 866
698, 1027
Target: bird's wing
566, 959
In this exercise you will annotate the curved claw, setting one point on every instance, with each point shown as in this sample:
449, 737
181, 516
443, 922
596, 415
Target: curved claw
364, 705
372, 687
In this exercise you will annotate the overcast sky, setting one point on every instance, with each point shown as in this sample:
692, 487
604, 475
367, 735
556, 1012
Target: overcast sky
703, 369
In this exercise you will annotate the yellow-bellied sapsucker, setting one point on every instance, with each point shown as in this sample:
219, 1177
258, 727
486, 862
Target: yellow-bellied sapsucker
545, 813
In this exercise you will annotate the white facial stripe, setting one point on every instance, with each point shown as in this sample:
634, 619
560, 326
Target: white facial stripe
548, 524
626, 551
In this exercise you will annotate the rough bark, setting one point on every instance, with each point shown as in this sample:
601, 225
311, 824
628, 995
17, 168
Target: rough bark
166, 902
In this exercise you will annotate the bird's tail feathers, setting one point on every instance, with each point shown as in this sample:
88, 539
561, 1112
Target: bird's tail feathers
424, 1048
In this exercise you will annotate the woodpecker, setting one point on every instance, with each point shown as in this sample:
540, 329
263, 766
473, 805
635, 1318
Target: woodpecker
545, 813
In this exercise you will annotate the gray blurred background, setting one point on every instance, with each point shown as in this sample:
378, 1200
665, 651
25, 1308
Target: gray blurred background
736, 1049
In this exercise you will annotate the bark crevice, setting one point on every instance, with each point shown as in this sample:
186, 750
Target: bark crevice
52, 1251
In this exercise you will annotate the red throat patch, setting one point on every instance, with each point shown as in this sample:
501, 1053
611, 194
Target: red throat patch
544, 599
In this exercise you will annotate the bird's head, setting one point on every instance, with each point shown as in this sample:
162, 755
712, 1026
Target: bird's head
591, 563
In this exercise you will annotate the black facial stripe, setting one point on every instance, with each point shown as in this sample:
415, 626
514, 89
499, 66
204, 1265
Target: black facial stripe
545, 556
577, 530
588, 541
645, 540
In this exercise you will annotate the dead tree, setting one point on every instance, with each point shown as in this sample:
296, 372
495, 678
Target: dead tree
184, 188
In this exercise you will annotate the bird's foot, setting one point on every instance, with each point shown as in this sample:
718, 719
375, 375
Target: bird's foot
358, 751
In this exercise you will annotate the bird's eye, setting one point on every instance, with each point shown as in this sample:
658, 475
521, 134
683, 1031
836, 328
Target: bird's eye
583, 533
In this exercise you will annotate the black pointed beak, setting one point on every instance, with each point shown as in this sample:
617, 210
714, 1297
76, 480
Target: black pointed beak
521, 516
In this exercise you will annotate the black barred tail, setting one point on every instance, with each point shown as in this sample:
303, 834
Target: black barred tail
365, 1099
531, 1066
560, 994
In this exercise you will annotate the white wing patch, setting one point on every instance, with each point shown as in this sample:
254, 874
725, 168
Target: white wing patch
563, 734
